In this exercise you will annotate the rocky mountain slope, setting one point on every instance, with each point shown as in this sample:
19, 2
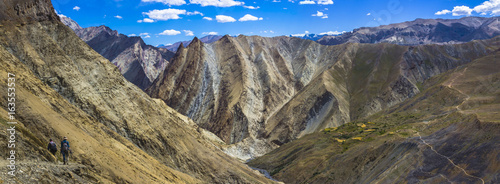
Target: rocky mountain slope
117, 132
445, 134
258, 93
422, 31
205, 39
139, 63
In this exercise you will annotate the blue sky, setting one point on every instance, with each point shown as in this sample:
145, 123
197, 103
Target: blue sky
169, 21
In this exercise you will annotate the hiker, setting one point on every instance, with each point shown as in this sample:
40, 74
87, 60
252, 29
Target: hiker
65, 150
52, 147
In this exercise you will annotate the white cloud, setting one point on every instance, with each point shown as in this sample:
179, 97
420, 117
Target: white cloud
210, 33
167, 2
165, 14
307, 2
320, 14
249, 17
368, 14
148, 20
442, 12
118, 17
132, 35
188, 32
170, 32
331, 33
76, 8
224, 18
217, 3
321, 2
194, 13
208, 18
491, 6
325, 2
461, 10
144, 35
251, 7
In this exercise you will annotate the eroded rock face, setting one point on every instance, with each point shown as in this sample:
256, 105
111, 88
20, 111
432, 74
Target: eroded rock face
422, 31
139, 63
117, 132
274, 90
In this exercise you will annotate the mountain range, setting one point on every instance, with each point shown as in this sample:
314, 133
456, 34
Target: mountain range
414, 102
258, 93
138, 62
422, 31
445, 134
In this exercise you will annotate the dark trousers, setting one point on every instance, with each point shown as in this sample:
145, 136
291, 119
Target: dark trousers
64, 154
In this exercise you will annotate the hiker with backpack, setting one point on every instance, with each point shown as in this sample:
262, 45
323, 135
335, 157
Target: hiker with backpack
52, 147
65, 150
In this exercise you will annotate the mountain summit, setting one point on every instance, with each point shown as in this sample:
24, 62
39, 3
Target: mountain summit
138, 62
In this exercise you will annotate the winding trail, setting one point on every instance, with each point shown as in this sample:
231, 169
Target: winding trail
450, 85
451, 161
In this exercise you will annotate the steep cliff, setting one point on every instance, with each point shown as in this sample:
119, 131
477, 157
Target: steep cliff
117, 132
138, 62
422, 31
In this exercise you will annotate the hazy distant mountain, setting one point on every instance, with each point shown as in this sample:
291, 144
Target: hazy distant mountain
422, 31
138, 62
313, 37
205, 39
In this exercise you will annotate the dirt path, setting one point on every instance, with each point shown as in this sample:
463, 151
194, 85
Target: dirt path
451, 161
450, 85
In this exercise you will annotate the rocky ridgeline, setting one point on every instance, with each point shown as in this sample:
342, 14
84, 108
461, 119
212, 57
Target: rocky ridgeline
138, 62
422, 31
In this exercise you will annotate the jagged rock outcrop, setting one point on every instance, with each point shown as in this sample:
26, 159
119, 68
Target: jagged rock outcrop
117, 132
258, 93
422, 31
138, 62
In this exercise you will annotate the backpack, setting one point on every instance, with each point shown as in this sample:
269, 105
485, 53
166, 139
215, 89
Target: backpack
65, 147
52, 147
